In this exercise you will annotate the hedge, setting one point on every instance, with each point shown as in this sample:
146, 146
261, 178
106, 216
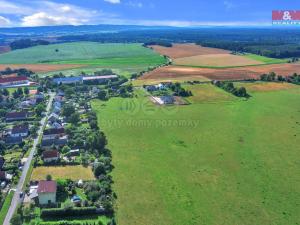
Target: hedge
68, 212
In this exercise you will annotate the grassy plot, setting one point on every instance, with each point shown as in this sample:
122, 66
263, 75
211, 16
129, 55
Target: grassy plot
6, 206
264, 59
76, 51
222, 163
63, 172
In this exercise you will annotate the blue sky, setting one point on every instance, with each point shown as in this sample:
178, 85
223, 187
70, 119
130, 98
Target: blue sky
140, 12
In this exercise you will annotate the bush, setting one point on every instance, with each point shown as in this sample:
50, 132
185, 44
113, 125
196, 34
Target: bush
68, 212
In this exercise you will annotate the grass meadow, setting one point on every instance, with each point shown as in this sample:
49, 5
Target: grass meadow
63, 172
221, 161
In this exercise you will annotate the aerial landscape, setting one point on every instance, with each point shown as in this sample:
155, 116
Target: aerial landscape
120, 112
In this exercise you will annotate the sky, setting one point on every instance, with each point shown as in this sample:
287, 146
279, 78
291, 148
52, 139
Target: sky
28, 13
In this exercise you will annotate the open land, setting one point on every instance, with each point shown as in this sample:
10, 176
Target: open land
63, 172
248, 72
82, 56
187, 50
231, 162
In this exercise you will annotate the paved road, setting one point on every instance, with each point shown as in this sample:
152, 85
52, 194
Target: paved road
16, 199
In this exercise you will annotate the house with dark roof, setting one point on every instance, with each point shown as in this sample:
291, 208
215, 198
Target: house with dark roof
57, 142
54, 118
16, 116
20, 131
47, 192
13, 140
53, 133
50, 156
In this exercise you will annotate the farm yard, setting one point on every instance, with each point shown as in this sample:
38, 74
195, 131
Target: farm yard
205, 163
63, 172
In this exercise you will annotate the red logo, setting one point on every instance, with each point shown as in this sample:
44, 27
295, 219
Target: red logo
285, 15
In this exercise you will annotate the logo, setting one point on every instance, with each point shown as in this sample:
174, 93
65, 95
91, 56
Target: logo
286, 17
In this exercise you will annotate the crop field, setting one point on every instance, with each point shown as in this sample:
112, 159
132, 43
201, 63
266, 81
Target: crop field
266, 87
217, 60
231, 162
239, 73
63, 172
187, 50
77, 57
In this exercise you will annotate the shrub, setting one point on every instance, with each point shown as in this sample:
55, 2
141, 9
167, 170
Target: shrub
68, 211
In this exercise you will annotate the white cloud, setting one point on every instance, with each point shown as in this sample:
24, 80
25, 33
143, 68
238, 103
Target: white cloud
113, 1
4, 21
44, 19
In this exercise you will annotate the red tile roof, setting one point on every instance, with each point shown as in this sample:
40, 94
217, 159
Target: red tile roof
46, 186
50, 154
12, 79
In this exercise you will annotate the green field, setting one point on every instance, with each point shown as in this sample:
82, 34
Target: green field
264, 59
226, 161
124, 59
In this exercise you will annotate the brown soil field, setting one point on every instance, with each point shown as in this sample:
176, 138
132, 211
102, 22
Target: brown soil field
187, 50
4, 49
41, 68
216, 60
264, 87
249, 72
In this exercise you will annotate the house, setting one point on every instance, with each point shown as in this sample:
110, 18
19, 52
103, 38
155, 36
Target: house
39, 97
50, 156
16, 116
54, 118
151, 88
67, 80
47, 192
53, 133
59, 98
56, 125
13, 140
20, 131
13, 80
28, 103
47, 144
57, 104
5, 176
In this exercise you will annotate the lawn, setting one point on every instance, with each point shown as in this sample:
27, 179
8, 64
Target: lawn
6, 206
63, 172
231, 162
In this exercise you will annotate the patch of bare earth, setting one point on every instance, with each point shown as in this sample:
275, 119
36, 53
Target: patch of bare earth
41, 68
248, 72
187, 50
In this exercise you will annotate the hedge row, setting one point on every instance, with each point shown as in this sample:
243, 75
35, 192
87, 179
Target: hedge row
63, 222
68, 212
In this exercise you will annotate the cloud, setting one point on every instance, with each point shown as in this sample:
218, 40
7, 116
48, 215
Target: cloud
44, 19
4, 21
113, 1
48, 13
